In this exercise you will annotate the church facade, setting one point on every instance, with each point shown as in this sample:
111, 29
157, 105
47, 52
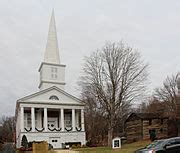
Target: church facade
51, 114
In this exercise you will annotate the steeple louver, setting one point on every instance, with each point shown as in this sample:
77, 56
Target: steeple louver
52, 50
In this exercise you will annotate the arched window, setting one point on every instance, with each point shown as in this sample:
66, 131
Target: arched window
53, 97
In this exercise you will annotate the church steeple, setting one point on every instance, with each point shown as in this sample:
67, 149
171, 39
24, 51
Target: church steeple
52, 50
52, 73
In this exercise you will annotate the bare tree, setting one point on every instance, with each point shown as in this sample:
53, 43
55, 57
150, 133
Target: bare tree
152, 106
168, 94
95, 132
7, 130
113, 78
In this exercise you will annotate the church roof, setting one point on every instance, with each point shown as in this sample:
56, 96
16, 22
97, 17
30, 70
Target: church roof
52, 50
50, 89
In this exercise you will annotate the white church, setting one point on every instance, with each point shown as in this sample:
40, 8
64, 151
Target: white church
51, 114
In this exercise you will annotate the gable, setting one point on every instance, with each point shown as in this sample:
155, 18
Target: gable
52, 95
132, 117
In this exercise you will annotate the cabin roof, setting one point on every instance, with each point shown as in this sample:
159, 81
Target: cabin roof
146, 116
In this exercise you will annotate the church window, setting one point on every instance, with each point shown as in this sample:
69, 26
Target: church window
54, 72
53, 97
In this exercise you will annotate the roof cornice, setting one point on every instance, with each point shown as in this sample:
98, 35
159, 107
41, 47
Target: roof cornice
53, 64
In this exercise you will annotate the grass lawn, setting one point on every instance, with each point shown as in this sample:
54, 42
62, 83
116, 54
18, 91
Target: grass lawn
126, 148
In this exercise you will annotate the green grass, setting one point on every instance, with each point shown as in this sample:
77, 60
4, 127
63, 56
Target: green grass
126, 148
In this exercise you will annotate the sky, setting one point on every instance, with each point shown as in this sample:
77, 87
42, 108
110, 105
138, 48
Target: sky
150, 26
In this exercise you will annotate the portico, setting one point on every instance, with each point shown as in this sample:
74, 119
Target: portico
43, 119
40, 121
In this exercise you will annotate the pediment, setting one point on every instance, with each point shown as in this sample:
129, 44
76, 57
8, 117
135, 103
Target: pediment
52, 95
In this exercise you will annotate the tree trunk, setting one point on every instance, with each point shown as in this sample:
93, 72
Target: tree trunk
110, 136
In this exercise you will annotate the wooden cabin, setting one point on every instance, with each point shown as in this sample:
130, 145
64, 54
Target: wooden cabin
139, 125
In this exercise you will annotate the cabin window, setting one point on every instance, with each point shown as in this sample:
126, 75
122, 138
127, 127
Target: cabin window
161, 130
53, 97
161, 121
150, 122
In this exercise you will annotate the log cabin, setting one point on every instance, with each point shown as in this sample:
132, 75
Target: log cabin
139, 125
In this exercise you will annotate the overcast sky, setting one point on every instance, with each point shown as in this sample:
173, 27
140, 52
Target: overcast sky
150, 26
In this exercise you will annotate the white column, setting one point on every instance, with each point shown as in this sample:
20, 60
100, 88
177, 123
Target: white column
62, 119
22, 119
32, 119
45, 120
73, 120
77, 118
82, 119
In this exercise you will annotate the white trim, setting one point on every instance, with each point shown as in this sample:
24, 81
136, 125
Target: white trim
54, 82
54, 106
51, 103
53, 64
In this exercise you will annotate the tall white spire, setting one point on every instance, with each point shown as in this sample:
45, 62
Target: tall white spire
52, 50
52, 73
